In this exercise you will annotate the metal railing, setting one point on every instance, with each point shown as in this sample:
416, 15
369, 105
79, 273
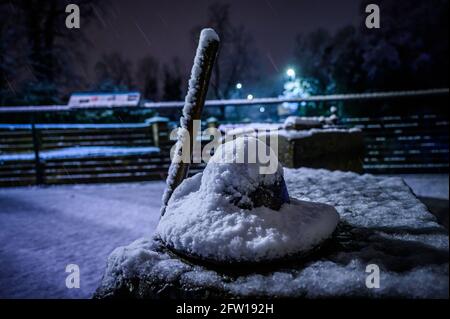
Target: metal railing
237, 102
404, 131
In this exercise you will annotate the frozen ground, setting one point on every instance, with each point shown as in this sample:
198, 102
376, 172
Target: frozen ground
80, 152
429, 186
44, 229
432, 189
382, 225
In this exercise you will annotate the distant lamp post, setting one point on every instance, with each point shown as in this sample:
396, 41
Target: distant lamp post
239, 86
250, 97
290, 73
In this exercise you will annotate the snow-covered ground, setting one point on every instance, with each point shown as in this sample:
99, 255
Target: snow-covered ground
383, 225
81, 152
44, 229
428, 185
59, 126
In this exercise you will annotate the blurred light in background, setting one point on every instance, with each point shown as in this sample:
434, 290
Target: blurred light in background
290, 73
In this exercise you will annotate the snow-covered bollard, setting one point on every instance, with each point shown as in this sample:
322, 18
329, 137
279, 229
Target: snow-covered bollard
234, 213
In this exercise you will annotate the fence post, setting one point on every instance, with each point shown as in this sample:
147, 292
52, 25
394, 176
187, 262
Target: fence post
36, 148
212, 122
334, 115
159, 127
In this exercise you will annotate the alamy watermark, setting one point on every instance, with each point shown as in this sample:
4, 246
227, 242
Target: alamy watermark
262, 149
373, 279
73, 279
373, 17
73, 18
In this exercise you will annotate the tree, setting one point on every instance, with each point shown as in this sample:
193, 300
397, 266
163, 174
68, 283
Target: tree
346, 62
47, 49
312, 55
8, 65
402, 55
410, 50
173, 81
236, 55
113, 73
147, 75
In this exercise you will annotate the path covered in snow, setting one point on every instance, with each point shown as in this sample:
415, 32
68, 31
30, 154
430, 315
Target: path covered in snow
44, 229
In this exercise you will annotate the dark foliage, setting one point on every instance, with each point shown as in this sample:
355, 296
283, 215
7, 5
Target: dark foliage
409, 51
38, 51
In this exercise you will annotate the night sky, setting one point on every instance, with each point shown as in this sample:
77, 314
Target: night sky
162, 29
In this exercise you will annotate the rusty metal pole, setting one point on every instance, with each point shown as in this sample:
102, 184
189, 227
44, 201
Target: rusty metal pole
198, 87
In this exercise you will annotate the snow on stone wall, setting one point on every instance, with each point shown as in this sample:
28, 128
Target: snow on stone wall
382, 223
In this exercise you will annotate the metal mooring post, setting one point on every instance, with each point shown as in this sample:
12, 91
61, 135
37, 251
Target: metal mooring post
36, 148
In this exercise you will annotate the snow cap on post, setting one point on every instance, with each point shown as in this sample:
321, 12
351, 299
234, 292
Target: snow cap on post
208, 34
193, 106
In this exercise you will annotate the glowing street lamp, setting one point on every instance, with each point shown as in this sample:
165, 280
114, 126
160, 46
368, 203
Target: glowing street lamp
250, 97
290, 73
239, 86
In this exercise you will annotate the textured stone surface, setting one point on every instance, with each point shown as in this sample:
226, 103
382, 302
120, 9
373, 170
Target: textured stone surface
382, 223
322, 148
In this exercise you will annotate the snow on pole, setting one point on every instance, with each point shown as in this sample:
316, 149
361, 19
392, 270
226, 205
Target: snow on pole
193, 106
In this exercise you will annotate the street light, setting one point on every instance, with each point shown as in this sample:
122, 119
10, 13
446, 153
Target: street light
239, 86
290, 73
250, 97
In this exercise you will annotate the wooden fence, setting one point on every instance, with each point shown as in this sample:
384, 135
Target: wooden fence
412, 140
61, 154
404, 143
